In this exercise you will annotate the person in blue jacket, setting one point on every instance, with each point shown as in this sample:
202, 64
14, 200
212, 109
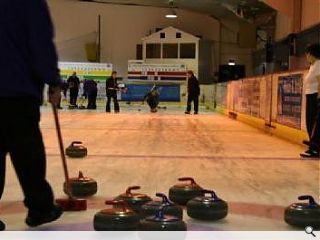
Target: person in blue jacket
90, 91
28, 60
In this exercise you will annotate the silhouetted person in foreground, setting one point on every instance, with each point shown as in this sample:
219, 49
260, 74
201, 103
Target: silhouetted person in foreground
28, 51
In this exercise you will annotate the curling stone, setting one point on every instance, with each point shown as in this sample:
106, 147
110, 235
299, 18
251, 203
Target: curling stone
162, 222
151, 208
134, 200
119, 218
207, 207
81, 186
182, 193
76, 150
303, 214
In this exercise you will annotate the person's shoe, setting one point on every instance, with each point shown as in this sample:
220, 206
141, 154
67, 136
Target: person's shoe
195, 113
187, 112
35, 218
2, 226
310, 154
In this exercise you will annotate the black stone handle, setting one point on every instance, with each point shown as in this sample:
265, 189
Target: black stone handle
307, 197
165, 199
212, 193
129, 189
183, 179
76, 143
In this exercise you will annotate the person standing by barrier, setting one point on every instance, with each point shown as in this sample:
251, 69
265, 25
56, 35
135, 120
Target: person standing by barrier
73, 85
111, 91
311, 88
193, 93
28, 51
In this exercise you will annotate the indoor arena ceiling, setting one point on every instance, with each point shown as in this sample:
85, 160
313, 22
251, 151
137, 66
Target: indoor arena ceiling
221, 9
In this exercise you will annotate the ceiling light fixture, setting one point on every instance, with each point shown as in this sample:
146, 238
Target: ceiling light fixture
232, 62
172, 13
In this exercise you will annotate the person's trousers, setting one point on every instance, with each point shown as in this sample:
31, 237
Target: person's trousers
153, 102
195, 100
92, 99
311, 112
73, 96
315, 135
115, 102
20, 137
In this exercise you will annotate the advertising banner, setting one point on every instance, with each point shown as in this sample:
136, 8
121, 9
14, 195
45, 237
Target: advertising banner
139, 71
93, 71
290, 100
247, 97
137, 92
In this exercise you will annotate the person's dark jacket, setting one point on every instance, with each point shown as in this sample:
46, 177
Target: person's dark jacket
90, 88
73, 82
28, 56
111, 85
193, 86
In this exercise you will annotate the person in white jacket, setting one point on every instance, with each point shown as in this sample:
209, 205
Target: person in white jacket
312, 91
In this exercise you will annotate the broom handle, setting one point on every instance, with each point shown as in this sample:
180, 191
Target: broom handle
63, 156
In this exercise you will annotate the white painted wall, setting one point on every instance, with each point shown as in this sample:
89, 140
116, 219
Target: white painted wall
192, 64
123, 27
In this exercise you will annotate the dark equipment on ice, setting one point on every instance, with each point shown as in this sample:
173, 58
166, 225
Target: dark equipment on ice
119, 218
76, 150
162, 222
82, 186
153, 207
134, 200
182, 193
207, 208
303, 214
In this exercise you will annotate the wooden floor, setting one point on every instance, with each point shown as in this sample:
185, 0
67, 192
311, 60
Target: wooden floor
256, 173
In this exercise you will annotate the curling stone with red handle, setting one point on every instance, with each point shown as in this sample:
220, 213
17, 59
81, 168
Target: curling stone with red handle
119, 218
134, 200
182, 193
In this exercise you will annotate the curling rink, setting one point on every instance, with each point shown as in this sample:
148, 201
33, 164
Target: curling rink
256, 173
